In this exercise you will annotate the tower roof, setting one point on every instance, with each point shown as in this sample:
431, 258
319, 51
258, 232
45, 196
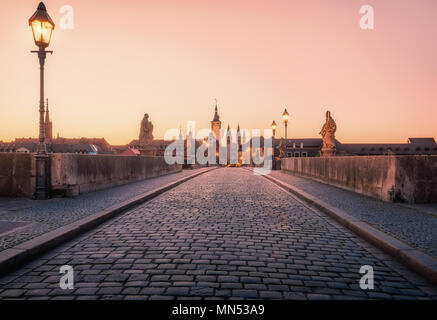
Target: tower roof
216, 115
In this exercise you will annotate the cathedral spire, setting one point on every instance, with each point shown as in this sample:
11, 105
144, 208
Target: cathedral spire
216, 115
47, 111
48, 125
181, 136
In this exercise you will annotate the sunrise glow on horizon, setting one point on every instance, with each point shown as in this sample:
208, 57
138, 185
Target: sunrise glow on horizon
172, 58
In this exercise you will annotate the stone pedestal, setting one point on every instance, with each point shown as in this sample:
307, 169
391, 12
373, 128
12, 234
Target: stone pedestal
328, 152
42, 188
277, 163
148, 150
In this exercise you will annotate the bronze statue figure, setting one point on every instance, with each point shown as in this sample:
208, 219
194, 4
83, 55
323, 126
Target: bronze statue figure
328, 135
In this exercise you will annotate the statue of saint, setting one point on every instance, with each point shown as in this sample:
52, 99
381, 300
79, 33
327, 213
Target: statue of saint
328, 135
146, 137
146, 131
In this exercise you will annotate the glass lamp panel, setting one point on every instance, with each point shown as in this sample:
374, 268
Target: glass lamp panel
37, 30
47, 29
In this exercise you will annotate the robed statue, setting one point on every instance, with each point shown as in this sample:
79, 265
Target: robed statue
146, 136
281, 148
328, 136
146, 130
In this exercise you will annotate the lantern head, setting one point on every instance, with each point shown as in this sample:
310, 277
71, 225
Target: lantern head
42, 26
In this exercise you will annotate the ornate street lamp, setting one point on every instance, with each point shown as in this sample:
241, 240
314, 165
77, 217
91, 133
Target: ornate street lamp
274, 128
286, 117
42, 27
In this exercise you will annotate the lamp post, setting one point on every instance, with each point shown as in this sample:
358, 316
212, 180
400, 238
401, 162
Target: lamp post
285, 116
42, 27
274, 128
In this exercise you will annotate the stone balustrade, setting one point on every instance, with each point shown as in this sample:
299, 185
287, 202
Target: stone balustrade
410, 179
73, 174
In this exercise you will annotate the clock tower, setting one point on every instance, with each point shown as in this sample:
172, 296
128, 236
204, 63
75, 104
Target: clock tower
216, 124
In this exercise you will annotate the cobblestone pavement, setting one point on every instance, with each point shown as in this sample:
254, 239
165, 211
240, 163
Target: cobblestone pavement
225, 234
39, 217
413, 224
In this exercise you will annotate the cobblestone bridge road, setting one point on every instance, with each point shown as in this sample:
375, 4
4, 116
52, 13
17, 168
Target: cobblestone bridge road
225, 234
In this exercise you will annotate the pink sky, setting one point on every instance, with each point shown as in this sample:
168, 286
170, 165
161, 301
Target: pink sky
172, 58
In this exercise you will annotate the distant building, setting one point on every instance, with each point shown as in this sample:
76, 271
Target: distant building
31, 146
299, 147
23, 150
312, 147
159, 146
20, 145
216, 124
59, 144
130, 152
414, 146
308, 147
103, 145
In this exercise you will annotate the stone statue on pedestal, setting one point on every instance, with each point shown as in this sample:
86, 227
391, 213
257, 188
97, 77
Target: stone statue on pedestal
328, 135
146, 137
281, 148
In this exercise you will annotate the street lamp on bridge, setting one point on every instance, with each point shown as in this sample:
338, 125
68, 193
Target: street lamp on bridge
286, 117
274, 128
42, 27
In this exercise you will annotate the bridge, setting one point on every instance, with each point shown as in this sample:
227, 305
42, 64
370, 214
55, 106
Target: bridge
213, 233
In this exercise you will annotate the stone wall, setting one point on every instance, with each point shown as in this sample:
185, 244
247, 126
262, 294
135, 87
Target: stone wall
416, 178
73, 174
17, 175
411, 179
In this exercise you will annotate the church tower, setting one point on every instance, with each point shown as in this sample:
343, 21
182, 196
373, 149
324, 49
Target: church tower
216, 124
239, 137
48, 125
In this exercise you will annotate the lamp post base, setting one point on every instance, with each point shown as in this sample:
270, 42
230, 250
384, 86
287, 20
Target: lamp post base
42, 187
